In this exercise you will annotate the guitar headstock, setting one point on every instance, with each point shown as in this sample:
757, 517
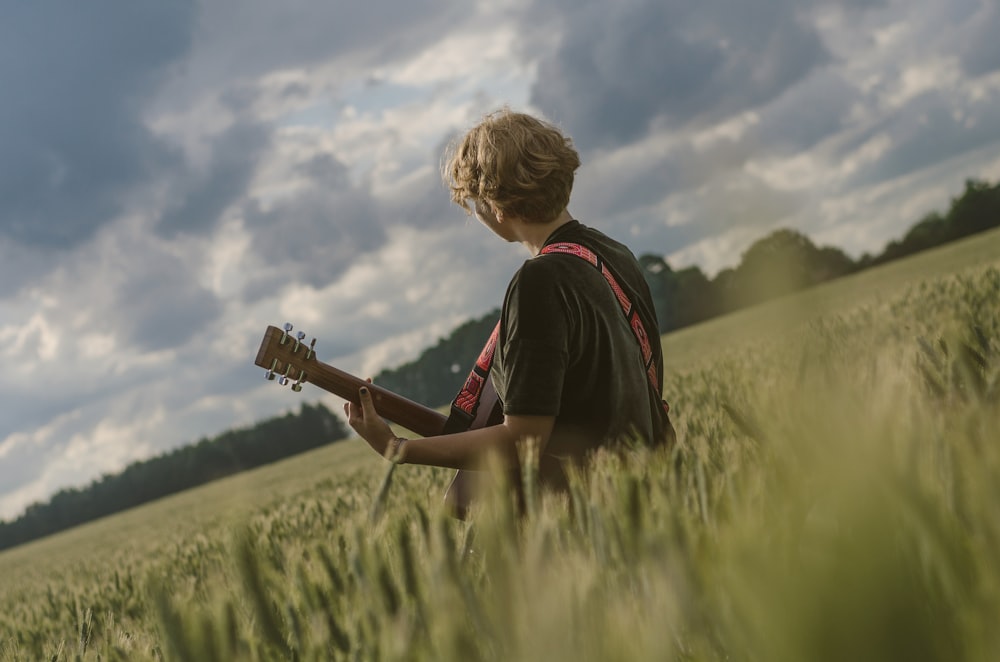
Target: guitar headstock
285, 356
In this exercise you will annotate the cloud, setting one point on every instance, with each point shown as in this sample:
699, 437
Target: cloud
619, 69
383, 293
144, 292
166, 306
958, 127
806, 114
20, 266
302, 32
110, 317
74, 78
105, 448
714, 253
313, 235
980, 47
202, 196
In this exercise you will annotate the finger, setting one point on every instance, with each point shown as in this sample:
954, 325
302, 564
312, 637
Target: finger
353, 412
365, 397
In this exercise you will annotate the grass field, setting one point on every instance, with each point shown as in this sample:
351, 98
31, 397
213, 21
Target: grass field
834, 497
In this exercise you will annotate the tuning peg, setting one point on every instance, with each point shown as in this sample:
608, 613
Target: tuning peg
312, 346
284, 378
270, 371
284, 336
297, 386
298, 340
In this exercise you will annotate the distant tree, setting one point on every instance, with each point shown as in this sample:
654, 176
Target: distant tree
725, 285
774, 265
976, 210
784, 261
697, 297
660, 278
932, 230
681, 298
831, 262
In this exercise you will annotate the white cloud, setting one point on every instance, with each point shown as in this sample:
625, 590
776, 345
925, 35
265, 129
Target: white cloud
106, 448
37, 339
461, 58
715, 253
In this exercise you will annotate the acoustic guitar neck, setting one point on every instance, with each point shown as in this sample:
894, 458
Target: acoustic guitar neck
289, 360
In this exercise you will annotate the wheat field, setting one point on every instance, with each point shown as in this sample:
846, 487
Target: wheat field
834, 497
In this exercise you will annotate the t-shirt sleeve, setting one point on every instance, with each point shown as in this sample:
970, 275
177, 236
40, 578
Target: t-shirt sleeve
536, 342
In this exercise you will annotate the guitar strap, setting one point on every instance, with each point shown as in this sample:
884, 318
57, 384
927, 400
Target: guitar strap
466, 403
630, 311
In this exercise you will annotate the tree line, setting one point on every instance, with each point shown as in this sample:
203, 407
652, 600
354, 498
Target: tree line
780, 263
177, 470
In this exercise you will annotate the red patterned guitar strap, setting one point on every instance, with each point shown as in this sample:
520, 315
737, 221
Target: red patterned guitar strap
630, 312
466, 403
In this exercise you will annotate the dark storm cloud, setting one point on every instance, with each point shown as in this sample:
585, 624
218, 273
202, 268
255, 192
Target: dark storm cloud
915, 145
314, 235
31, 411
165, 303
621, 191
243, 39
425, 201
203, 197
74, 76
797, 120
806, 114
319, 29
21, 467
20, 265
621, 67
980, 50
324, 170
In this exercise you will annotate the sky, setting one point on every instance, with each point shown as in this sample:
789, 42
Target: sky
175, 176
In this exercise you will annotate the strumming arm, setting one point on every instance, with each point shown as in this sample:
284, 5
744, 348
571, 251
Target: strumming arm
462, 450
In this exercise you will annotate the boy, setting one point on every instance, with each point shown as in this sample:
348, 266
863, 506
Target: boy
573, 366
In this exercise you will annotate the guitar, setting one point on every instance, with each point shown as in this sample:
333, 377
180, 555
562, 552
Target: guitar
290, 361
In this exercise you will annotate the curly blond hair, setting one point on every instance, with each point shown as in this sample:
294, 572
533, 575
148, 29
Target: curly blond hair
514, 163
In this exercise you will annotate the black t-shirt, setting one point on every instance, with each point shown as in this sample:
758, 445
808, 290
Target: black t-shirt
566, 350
